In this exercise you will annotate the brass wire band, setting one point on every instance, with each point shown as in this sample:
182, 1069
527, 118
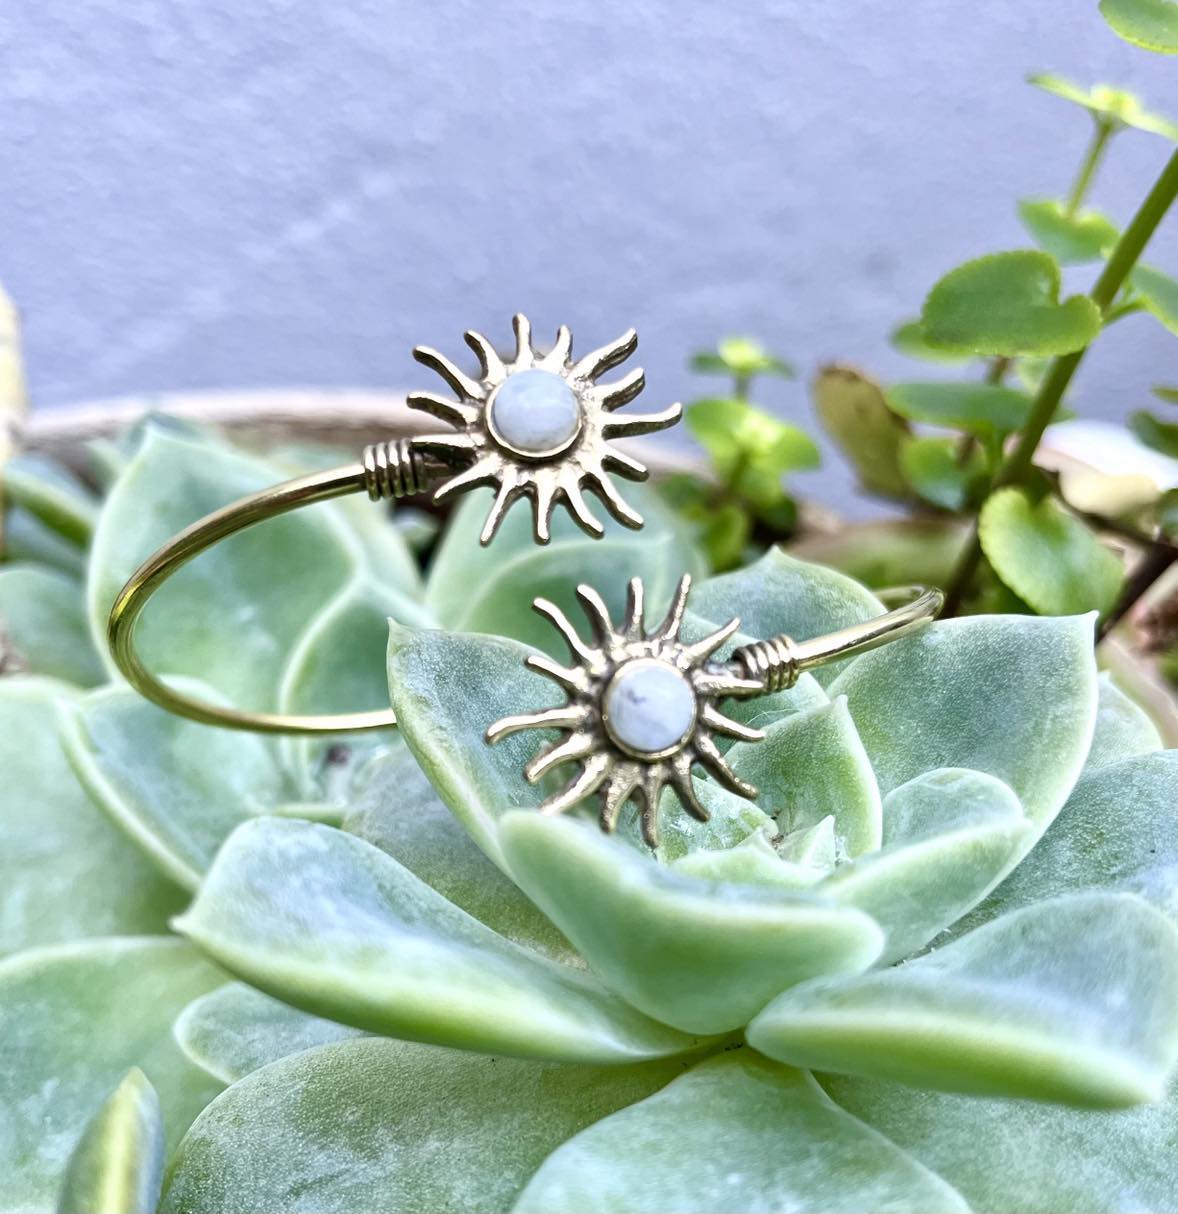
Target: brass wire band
393, 470
190, 543
777, 662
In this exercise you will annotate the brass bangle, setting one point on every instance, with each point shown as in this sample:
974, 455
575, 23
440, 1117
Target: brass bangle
535, 426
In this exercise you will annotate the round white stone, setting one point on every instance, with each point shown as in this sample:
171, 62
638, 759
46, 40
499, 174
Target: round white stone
649, 707
535, 412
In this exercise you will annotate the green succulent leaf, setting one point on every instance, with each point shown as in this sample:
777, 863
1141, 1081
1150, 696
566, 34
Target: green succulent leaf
674, 1151
700, 956
1155, 433
426, 1129
855, 413
52, 494
811, 766
909, 338
1072, 239
447, 689
359, 939
782, 594
1008, 304
235, 1030
26, 538
73, 1019
1123, 729
934, 468
232, 617
1116, 832
1023, 1156
396, 809
118, 1165
43, 621
178, 789
1073, 1000
1113, 106
476, 589
1152, 24
1047, 555
65, 871
952, 836
982, 409
1158, 292
336, 667
1011, 696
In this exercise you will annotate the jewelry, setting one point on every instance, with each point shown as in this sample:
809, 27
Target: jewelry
641, 707
536, 426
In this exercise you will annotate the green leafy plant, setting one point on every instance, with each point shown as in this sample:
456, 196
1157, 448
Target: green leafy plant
933, 968
750, 454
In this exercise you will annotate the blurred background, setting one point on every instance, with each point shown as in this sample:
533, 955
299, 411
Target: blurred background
219, 195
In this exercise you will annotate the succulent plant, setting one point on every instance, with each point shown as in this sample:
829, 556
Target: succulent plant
933, 968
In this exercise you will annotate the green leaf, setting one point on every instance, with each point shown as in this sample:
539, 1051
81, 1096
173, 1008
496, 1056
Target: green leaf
447, 689
1012, 696
25, 538
700, 956
336, 667
1155, 433
1073, 1000
118, 1166
232, 617
909, 338
1152, 24
43, 621
235, 1030
476, 589
782, 594
1047, 555
52, 494
854, 412
725, 534
1008, 304
983, 409
750, 448
178, 789
935, 470
1123, 730
396, 809
742, 356
1159, 293
890, 552
677, 1150
1116, 832
359, 939
952, 836
73, 1019
812, 766
65, 871
390, 1126
1168, 394
1072, 239
1115, 107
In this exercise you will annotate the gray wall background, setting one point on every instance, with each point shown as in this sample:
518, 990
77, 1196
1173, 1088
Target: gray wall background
223, 193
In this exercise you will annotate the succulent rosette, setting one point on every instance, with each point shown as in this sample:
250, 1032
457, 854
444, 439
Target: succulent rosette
934, 967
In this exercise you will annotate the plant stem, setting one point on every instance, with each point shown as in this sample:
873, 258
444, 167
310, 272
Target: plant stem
1152, 565
1059, 374
1089, 165
742, 384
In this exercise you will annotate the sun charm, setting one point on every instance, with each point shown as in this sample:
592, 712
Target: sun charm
538, 426
641, 710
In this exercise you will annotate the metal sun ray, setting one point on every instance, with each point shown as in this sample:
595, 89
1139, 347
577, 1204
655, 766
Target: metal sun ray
614, 774
477, 457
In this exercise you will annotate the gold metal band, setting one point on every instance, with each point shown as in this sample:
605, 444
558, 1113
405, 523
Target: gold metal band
776, 663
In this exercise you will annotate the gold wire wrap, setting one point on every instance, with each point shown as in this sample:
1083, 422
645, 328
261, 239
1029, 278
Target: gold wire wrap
779, 661
395, 469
